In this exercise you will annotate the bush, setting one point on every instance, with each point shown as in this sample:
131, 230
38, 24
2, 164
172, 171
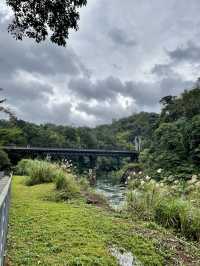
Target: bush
169, 212
137, 205
84, 184
23, 167
143, 198
169, 206
38, 172
190, 224
180, 215
66, 186
4, 161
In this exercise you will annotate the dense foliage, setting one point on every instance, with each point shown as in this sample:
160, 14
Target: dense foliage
119, 135
4, 161
38, 19
170, 141
175, 145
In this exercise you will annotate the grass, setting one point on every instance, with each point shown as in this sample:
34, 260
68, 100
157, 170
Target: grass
169, 205
67, 185
49, 233
45, 233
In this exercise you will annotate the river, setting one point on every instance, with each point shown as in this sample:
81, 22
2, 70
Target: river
114, 192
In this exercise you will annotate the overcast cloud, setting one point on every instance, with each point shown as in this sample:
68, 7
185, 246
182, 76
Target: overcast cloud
124, 58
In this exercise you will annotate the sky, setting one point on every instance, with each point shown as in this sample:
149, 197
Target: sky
125, 57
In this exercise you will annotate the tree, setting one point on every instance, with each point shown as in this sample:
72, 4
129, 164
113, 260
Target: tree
12, 135
195, 139
167, 100
39, 18
167, 150
4, 161
5, 109
87, 138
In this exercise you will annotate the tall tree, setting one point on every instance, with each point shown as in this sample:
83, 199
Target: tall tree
39, 18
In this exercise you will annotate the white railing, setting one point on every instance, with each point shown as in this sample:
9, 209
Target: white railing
5, 189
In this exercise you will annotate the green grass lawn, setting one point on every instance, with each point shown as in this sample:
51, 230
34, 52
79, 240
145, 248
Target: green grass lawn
44, 232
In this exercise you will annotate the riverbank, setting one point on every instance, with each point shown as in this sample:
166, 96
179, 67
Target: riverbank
44, 232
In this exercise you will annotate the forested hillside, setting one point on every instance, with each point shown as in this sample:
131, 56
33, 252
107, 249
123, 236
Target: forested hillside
120, 134
170, 140
175, 144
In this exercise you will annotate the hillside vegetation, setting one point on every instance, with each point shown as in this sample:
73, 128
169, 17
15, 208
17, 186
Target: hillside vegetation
170, 140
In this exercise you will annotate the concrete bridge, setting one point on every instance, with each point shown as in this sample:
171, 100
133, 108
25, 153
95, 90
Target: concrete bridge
20, 152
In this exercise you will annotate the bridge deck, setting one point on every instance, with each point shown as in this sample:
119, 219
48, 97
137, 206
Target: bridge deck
71, 151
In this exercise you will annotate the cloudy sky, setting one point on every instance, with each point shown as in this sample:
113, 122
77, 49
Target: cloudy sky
124, 58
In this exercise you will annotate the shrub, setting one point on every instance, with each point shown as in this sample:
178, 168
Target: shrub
40, 172
144, 197
84, 184
137, 205
190, 224
169, 206
4, 161
180, 215
23, 167
66, 186
169, 212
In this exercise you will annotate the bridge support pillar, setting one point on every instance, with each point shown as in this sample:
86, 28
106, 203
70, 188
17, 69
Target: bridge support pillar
93, 161
133, 159
118, 162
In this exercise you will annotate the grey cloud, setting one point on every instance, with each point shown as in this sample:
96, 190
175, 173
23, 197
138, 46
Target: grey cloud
105, 112
58, 113
109, 88
163, 70
52, 74
121, 37
117, 67
144, 94
174, 86
18, 92
190, 52
104, 89
45, 58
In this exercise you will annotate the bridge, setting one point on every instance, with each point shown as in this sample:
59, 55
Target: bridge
68, 152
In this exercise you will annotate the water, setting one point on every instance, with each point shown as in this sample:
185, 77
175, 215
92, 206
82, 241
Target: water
115, 193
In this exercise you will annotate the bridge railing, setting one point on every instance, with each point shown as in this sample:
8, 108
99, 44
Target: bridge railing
5, 191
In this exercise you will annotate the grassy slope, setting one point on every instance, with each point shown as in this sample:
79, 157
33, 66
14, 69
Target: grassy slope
49, 233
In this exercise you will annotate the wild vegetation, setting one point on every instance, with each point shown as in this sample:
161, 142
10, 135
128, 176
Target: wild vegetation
67, 184
163, 187
170, 203
72, 232
5, 162
175, 144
